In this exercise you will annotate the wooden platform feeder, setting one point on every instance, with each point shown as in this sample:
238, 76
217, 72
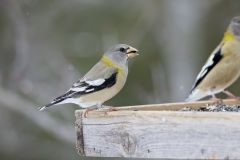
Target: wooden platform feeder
160, 131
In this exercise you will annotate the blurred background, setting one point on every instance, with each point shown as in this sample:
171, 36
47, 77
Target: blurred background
46, 45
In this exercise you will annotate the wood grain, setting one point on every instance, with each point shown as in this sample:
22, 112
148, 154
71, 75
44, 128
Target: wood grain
160, 134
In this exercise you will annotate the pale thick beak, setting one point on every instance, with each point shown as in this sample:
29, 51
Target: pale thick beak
132, 52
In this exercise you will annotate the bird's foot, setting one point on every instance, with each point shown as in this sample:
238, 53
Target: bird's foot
112, 109
109, 109
87, 111
231, 95
106, 109
216, 101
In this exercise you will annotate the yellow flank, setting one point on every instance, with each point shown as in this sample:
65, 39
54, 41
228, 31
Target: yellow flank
228, 36
107, 61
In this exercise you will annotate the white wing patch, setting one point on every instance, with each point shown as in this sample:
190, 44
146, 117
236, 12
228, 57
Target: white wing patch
96, 82
207, 64
86, 84
78, 89
89, 90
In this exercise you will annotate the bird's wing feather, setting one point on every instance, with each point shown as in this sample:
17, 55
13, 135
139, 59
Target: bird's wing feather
212, 61
98, 78
86, 87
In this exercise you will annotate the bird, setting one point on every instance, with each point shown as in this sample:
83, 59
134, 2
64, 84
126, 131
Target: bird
102, 82
222, 68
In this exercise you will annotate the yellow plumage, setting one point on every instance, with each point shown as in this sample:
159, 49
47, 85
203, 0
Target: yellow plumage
228, 36
222, 68
107, 61
104, 80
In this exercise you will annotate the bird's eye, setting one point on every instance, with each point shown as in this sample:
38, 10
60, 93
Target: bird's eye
236, 20
122, 49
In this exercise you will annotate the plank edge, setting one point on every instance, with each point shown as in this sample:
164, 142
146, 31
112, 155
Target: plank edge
79, 133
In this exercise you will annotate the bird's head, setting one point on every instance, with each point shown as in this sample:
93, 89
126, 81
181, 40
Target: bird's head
235, 26
121, 53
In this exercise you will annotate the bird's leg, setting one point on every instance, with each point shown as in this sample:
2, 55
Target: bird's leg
112, 109
89, 110
231, 95
216, 100
108, 109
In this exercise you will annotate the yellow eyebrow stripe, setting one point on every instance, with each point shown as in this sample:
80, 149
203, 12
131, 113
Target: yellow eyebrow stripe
107, 61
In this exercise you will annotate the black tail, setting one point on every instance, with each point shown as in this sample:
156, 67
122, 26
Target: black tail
57, 100
50, 104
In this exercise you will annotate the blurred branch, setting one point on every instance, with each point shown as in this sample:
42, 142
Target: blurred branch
21, 40
16, 103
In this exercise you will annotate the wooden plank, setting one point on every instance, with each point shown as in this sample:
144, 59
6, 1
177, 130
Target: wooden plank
176, 106
164, 134
79, 134
153, 133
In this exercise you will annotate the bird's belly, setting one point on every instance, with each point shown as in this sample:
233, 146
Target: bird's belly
103, 95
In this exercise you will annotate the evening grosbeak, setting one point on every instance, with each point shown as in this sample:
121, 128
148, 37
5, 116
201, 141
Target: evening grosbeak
102, 82
222, 68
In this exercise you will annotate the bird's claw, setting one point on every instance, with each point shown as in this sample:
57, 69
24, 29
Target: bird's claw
216, 101
87, 111
110, 109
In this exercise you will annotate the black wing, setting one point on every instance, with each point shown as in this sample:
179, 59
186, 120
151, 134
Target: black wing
84, 87
211, 63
